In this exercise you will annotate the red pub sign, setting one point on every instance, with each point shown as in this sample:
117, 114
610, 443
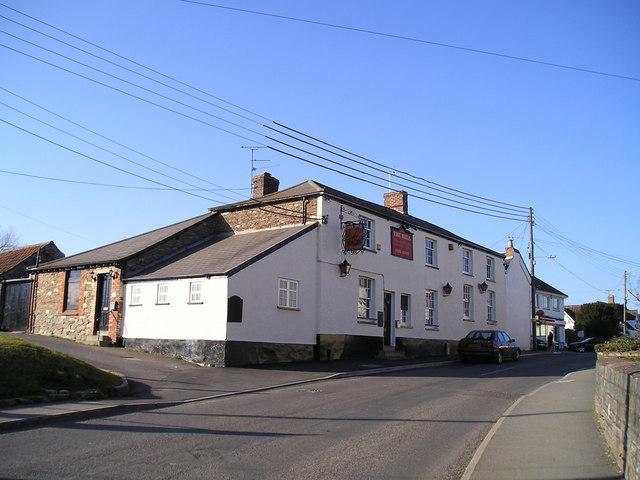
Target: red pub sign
401, 243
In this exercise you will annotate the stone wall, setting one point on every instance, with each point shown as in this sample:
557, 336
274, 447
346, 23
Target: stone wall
617, 405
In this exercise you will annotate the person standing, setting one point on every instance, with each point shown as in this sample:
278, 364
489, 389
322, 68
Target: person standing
550, 340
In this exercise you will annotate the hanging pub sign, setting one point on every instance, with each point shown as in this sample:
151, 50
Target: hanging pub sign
401, 243
353, 236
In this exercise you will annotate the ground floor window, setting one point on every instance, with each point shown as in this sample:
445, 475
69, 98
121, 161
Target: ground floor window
491, 306
365, 298
72, 291
430, 310
467, 302
287, 293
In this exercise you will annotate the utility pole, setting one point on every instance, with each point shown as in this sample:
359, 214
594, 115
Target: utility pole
624, 306
532, 266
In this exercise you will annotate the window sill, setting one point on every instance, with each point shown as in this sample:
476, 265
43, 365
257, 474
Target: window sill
468, 274
468, 320
135, 305
492, 322
70, 312
404, 326
163, 304
291, 309
434, 328
435, 267
195, 303
368, 321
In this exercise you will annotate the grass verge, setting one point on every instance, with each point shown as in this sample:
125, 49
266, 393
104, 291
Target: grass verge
29, 369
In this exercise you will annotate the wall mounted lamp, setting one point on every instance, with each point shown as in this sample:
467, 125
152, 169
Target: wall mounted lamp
94, 277
483, 287
447, 289
345, 268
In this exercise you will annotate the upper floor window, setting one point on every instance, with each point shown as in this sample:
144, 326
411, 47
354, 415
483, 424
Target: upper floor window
365, 298
195, 292
430, 308
467, 302
367, 233
163, 294
72, 291
430, 253
287, 293
555, 303
542, 301
467, 261
136, 295
491, 268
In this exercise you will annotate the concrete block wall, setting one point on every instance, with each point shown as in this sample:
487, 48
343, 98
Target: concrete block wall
617, 405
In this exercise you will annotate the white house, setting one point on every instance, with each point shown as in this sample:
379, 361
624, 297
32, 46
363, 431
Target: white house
312, 272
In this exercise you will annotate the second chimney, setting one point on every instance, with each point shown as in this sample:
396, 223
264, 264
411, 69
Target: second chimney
397, 201
264, 184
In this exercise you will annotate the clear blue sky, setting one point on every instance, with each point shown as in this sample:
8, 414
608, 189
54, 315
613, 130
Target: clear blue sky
492, 117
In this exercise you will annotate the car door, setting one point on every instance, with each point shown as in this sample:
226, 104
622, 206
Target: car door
507, 344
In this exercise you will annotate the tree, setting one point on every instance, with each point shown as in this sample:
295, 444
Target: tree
599, 319
8, 240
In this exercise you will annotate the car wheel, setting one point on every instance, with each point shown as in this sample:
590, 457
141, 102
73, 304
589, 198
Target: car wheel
581, 349
516, 357
499, 357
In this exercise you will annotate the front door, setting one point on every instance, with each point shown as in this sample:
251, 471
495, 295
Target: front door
388, 319
103, 303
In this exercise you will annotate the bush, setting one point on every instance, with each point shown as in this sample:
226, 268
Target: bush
620, 344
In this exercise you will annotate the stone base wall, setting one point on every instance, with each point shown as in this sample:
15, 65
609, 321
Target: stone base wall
218, 353
617, 405
335, 347
417, 347
203, 352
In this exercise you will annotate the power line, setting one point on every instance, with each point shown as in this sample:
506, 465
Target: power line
132, 61
418, 40
110, 185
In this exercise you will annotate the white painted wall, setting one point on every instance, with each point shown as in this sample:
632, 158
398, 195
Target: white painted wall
401, 276
257, 285
518, 285
179, 319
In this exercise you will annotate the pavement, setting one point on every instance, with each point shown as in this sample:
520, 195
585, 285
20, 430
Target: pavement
550, 433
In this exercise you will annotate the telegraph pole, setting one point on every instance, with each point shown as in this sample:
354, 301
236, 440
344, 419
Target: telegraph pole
624, 306
532, 266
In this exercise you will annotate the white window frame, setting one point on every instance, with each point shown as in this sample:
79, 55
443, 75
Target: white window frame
136, 295
288, 294
195, 292
162, 297
405, 314
491, 306
467, 302
366, 290
431, 308
430, 252
367, 233
555, 303
467, 261
491, 268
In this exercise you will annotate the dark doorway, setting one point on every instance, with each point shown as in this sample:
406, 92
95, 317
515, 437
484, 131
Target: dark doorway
388, 313
103, 303
15, 308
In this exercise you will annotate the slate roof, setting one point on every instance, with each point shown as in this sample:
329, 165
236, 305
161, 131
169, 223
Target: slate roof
311, 188
545, 287
224, 254
9, 259
116, 252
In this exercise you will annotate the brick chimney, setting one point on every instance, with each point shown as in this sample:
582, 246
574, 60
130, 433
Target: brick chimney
264, 185
611, 300
510, 250
397, 201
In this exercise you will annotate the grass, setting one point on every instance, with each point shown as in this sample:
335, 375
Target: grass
28, 369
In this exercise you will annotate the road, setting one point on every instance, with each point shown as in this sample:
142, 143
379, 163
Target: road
413, 424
